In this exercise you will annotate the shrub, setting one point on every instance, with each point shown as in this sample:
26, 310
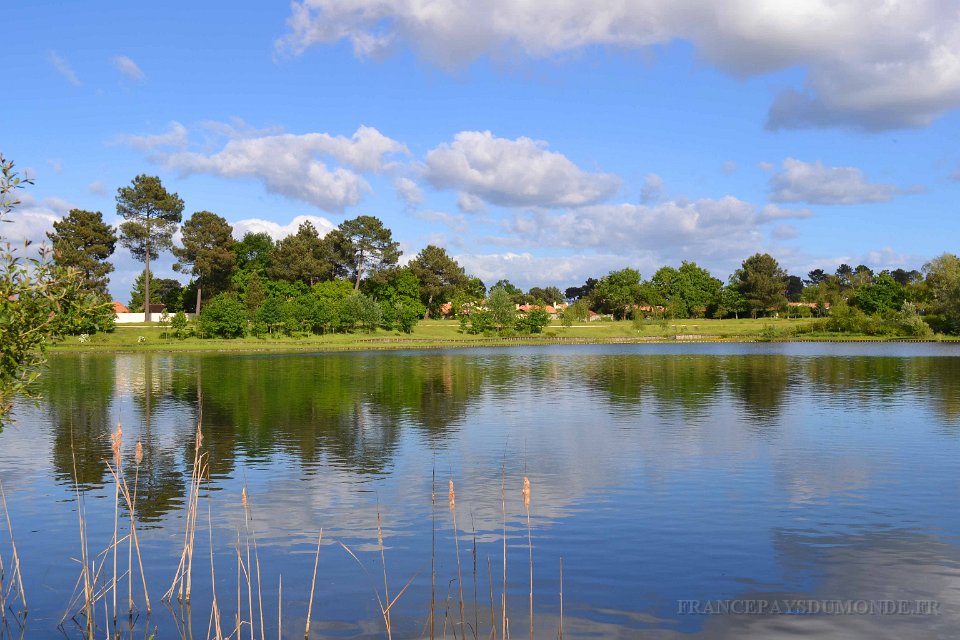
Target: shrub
224, 317
179, 325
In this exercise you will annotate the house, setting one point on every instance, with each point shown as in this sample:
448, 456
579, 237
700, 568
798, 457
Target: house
119, 307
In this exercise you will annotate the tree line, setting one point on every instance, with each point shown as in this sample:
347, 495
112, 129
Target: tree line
349, 279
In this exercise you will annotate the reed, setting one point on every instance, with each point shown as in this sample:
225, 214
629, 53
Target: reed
525, 492
15, 585
313, 585
456, 541
183, 577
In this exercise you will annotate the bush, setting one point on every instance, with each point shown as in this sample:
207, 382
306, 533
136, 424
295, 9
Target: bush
224, 317
909, 323
179, 325
533, 321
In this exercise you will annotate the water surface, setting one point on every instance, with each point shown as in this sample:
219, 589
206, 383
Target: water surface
661, 474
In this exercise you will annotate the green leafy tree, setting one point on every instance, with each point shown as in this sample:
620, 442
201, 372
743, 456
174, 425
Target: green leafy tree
502, 308
302, 257
533, 321
365, 247
207, 252
40, 302
152, 215
548, 295
397, 291
224, 317
616, 292
165, 291
254, 253
83, 241
440, 277
254, 294
179, 325
583, 291
882, 296
731, 302
943, 282
762, 282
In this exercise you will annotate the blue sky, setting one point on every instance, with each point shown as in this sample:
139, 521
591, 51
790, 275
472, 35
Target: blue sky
541, 145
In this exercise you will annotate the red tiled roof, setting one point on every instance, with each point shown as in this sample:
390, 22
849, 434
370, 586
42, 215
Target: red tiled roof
119, 307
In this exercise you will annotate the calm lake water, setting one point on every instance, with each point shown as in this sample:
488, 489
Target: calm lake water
672, 480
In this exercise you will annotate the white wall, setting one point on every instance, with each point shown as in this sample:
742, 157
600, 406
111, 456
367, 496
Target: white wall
129, 318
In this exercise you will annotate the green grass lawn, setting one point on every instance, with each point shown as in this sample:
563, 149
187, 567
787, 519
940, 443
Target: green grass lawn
445, 333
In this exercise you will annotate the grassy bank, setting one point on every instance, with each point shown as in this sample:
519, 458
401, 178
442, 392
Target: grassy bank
445, 333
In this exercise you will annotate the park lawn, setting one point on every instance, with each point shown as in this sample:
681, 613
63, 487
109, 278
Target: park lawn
445, 333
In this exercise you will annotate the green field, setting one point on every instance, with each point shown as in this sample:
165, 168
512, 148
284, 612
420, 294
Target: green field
445, 333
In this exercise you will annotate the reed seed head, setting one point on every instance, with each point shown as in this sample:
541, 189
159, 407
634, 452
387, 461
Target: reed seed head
199, 438
452, 496
138, 455
526, 492
116, 440
243, 498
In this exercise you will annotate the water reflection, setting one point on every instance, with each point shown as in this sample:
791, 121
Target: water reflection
658, 476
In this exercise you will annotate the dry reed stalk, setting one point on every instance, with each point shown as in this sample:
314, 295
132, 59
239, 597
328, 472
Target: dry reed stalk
17, 578
476, 606
116, 445
503, 595
252, 534
280, 610
239, 566
433, 546
526, 505
384, 610
313, 584
493, 608
137, 460
560, 633
215, 609
386, 587
456, 541
88, 586
182, 580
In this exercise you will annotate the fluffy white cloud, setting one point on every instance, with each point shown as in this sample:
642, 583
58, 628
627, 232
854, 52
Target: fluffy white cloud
129, 68
815, 183
652, 186
63, 68
527, 270
519, 172
278, 231
408, 191
469, 203
287, 164
907, 77
31, 220
771, 212
706, 227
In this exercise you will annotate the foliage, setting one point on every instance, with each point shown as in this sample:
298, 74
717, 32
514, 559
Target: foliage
688, 291
910, 323
254, 253
362, 310
207, 252
40, 302
152, 215
440, 277
616, 292
163, 291
943, 283
501, 307
730, 302
179, 325
302, 257
762, 282
83, 241
397, 290
364, 246
532, 321
224, 317
880, 297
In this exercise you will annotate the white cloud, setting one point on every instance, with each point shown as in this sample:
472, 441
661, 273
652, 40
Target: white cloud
785, 232
63, 68
97, 188
772, 212
905, 78
815, 183
129, 68
291, 165
469, 203
527, 270
279, 231
31, 220
408, 191
456, 222
519, 172
652, 186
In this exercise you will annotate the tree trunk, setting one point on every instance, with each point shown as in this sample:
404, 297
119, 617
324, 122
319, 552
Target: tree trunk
426, 314
196, 309
146, 282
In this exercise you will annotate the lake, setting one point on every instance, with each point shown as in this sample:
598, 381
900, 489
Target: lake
691, 490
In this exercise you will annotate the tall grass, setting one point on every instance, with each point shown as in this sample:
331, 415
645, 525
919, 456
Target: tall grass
96, 604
